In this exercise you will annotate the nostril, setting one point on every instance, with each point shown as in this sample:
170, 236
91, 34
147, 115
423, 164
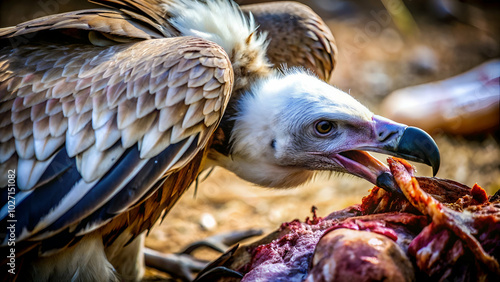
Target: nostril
384, 136
386, 129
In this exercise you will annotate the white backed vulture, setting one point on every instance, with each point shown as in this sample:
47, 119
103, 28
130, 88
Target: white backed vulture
108, 115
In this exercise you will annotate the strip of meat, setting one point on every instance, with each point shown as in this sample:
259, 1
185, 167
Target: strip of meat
462, 224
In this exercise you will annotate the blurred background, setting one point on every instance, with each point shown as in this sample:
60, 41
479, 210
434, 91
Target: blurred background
384, 47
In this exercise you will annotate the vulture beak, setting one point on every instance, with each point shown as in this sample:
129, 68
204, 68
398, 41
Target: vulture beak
389, 137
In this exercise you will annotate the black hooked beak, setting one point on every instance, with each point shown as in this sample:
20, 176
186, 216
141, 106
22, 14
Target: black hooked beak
388, 137
414, 145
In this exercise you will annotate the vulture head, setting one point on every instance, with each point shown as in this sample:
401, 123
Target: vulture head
292, 124
284, 126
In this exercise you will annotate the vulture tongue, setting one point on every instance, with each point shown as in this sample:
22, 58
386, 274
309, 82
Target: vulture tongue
364, 165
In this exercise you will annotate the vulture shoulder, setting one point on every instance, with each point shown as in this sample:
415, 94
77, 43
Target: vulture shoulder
297, 36
93, 131
101, 27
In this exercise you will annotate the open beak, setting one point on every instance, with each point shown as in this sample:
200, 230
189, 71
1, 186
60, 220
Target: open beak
390, 138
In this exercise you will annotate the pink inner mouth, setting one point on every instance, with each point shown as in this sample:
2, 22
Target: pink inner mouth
362, 164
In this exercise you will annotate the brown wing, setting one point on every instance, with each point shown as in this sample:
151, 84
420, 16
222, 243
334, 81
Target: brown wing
127, 21
102, 20
93, 131
297, 35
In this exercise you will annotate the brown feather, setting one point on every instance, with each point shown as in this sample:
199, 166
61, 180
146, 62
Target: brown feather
83, 101
45, 148
194, 115
298, 36
63, 88
5, 166
93, 163
38, 112
209, 106
7, 105
202, 79
212, 118
5, 119
68, 108
134, 132
177, 78
196, 71
154, 141
145, 105
175, 95
81, 141
23, 129
25, 147
115, 94
6, 132
170, 116
212, 84
7, 149
99, 118
126, 113
186, 64
53, 107
180, 133
210, 94
107, 135
77, 122
41, 128
58, 125
193, 95
86, 87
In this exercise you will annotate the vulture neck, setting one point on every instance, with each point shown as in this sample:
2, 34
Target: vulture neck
249, 146
225, 24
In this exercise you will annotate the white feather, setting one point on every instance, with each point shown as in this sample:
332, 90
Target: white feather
106, 135
216, 20
154, 142
32, 171
45, 148
93, 163
86, 261
80, 142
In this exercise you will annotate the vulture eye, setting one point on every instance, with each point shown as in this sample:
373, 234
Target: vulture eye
324, 127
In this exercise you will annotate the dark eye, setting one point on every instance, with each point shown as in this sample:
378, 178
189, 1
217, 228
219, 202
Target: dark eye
324, 127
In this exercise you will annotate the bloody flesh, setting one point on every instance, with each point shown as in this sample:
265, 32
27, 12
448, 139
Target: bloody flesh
440, 229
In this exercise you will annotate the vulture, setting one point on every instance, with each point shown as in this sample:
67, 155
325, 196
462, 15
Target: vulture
109, 114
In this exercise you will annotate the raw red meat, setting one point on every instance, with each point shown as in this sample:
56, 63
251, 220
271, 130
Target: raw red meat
439, 230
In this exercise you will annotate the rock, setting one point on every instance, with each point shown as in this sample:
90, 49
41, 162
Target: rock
208, 222
464, 104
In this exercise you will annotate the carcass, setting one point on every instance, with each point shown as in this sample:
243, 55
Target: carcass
440, 229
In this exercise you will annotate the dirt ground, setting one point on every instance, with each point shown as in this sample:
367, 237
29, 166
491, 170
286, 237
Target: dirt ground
375, 58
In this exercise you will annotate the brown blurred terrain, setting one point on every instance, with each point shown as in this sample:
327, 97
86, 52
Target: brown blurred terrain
376, 56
